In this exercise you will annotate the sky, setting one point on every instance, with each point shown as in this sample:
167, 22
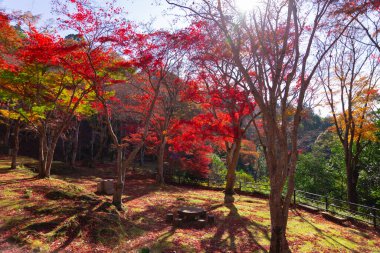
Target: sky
138, 10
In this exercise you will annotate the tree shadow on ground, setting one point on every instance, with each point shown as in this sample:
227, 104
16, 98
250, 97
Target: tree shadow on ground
55, 215
235, 226
13, 222
17, 181
153, 217
61, 213
135, 189
321, 233
6, 171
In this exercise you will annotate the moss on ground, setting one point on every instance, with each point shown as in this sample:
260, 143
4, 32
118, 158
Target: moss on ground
56, 215
108, 229
66, 228
196, 201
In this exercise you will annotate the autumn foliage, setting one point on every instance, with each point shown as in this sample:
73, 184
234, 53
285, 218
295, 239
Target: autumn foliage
229, 82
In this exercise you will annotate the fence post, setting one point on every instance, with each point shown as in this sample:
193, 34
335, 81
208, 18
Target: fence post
374, 218
326, 204
294, 198
208, 182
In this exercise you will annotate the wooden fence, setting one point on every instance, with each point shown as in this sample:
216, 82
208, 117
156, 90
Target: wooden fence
323, 203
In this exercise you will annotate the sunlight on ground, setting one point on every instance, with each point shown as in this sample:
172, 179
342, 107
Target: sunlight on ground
53, 215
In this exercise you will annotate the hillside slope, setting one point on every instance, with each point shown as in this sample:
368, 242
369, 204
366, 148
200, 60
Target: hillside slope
63, 214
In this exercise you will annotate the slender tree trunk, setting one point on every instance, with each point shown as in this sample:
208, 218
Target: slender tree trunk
49, 161
5, 140
119, 183
49, 156
99, 153
120, 171
131, 157
117, 197
42, 152
16, 144
160, 163
4, 143
64, 152
47, 149
75, 146
232, 161
142, 155
102, 140
92, 141
257, 168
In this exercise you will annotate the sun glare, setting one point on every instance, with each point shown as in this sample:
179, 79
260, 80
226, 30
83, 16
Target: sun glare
246, 5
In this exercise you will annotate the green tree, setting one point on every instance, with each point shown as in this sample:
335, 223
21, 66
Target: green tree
317, 171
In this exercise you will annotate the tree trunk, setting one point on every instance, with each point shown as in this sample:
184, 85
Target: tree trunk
352, 196
281, 164
278, 241
119, 183
121, 171
49, 161
232, 161
352, 181
279, 215
75, 146
102, 141
64, 152
47, 149
5, 140
42, 153
160, 163
92, 141
142, 156
135, 151
16, 144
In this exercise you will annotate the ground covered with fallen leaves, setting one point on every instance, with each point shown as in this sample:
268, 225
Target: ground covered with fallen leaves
63, 214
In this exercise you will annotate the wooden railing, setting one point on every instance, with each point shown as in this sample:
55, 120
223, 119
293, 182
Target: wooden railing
334, 206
